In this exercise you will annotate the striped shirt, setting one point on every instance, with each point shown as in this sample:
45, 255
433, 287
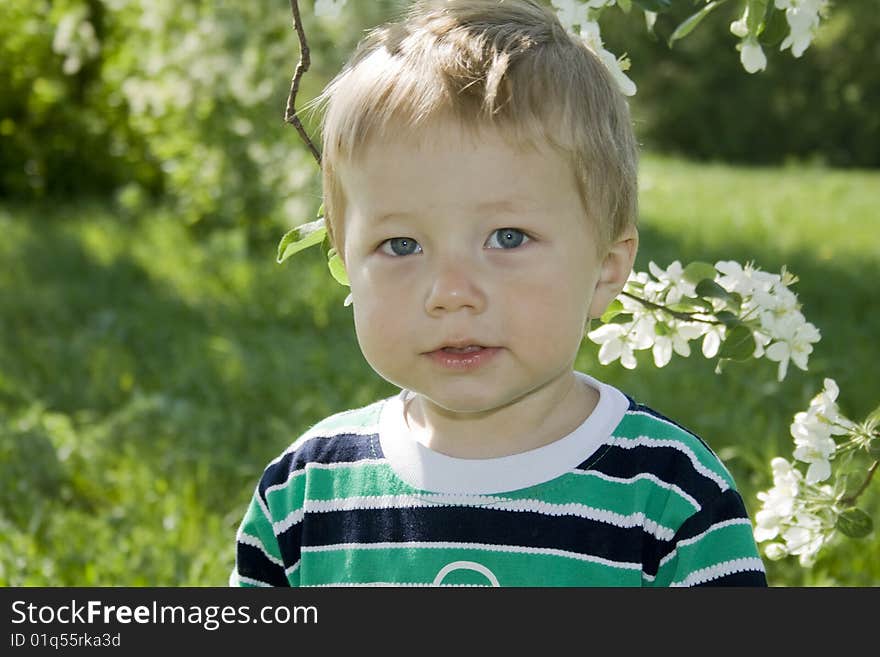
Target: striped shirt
629, 498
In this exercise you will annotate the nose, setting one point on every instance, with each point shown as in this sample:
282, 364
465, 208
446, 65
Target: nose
455, 286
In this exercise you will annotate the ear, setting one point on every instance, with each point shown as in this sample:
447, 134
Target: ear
614, 270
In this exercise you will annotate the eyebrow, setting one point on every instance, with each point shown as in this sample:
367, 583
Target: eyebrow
495, 207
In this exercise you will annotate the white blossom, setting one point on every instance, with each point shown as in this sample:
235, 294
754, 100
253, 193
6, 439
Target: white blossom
761, 341
805, 536
740, 27
798, 527
673, 281
621, 340
813, 445
799, 516
824, 407
571, 13
675, 340
712, 339
752, 55
764, 305
589, 33
779, 501
813, 432
615, 345
803, 20
776, 299
794, 338
743, 279
775, 551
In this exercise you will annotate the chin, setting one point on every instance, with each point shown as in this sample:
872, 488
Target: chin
462, 402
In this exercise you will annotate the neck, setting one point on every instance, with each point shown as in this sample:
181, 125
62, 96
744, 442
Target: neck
540, 417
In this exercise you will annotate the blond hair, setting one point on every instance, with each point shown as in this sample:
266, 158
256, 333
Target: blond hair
507, 64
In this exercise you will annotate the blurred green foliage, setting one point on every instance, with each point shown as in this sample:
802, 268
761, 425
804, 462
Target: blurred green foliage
146, 378
153, 99
62, 129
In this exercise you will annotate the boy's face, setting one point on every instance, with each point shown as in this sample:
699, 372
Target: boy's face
452, 242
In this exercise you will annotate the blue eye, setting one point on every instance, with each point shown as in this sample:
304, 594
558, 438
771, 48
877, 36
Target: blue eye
400, 246
506, 238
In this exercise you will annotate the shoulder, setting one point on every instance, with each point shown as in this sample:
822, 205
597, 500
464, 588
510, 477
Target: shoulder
343, 437
646, 434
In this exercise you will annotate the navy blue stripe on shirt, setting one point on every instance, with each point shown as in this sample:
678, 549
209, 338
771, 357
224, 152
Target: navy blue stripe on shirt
725, 506
252, 563
728, 505
476, 525
344, 448
666, 463
289, 542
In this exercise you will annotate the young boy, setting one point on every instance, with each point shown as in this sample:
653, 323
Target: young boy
479, 174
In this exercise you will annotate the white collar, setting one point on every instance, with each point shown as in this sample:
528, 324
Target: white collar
423, 468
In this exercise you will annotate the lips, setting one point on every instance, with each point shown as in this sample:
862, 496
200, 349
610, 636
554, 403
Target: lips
462, 357
462, 350
462, 346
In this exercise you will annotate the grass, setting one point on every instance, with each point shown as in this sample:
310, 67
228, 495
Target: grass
147, 377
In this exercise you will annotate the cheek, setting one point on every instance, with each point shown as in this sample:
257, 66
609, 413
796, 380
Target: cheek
554, 309
553, 291
377, 322
369, 320
550, 309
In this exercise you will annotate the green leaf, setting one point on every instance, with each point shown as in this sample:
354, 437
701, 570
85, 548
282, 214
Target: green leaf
688, 25
711, 290
653, 5
697, 271
301, 237
626, 5
739, 344
728, 318
614, 308
691, 304
621, 318
337, 269
854, 523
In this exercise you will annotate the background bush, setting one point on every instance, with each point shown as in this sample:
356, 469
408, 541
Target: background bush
154, 99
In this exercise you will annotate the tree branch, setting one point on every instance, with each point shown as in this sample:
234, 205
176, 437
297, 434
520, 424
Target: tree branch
688, 317
851, 499
301, 67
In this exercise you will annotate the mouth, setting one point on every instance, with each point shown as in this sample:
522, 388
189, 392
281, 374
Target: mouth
463, 356
469, 349
463, 346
